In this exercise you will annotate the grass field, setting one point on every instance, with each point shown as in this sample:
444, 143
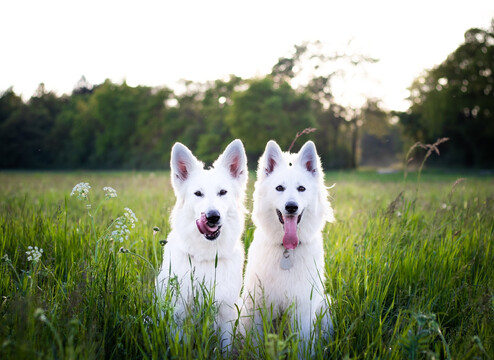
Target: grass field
410, 268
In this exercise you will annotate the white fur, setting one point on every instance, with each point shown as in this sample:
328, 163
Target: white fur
188, 255
299, 289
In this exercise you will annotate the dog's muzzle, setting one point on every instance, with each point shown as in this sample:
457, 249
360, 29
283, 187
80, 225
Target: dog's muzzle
280, 217
209, 224
290, 220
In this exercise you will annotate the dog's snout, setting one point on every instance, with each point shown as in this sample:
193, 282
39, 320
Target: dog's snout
213, 216
291, 207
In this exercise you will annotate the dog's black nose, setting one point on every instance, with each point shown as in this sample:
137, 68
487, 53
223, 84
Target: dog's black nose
291, 207
213, 217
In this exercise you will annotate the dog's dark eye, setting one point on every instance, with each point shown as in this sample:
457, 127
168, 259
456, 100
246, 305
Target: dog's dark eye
222, 192
301, 188
280, 188
198, 193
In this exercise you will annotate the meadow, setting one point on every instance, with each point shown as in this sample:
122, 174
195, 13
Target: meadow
409, 266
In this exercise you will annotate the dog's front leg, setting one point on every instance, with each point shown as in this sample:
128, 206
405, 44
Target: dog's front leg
302, 323
225, 323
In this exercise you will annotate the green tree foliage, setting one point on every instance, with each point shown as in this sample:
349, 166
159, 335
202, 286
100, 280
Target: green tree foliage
456, 100
119, 126
25, 129
215, 107
155, 127
265, 111
9, 103
380, 139
332, 136
114, 111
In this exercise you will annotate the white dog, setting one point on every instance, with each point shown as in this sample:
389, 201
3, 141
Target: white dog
204, 248
285, 267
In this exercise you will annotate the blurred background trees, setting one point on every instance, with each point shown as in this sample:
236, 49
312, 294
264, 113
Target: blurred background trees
116, 126
456, 100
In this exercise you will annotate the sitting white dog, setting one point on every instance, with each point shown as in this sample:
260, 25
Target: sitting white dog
285, 267
204, 247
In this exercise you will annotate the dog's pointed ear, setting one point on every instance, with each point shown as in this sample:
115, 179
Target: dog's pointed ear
234, 160
271, 158
308, 159
182, 164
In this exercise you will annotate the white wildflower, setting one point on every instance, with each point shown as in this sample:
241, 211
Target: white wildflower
40, 314
5, 259
110, 192
81, 190
34, 254
131, 217
122, 225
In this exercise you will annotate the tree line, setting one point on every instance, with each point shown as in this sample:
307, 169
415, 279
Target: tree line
116, 126
455, 99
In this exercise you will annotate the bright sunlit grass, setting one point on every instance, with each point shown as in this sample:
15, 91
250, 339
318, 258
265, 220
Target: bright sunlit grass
409, 267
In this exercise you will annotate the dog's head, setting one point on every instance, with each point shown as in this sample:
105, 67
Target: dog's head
207, 198
290, 197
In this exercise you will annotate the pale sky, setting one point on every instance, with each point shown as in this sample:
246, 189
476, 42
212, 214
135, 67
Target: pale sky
158, 43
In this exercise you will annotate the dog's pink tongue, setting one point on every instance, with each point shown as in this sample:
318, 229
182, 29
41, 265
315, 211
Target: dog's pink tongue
203, 227
290, 239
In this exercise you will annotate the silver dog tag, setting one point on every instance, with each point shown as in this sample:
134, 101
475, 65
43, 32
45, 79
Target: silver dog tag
285, 262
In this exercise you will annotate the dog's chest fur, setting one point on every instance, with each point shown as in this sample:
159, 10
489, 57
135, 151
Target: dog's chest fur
299, 283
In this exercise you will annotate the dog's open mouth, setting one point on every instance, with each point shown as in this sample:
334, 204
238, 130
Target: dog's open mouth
290, 223
210, 231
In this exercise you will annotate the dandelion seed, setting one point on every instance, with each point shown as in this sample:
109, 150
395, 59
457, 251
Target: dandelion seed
34, 254
109, 192
81, 190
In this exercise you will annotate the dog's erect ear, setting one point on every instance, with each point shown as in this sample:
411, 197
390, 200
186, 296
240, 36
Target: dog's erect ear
271, 158
182, 163
308, 159
234, 160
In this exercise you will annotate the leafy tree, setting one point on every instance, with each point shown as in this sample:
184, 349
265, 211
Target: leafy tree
74, 133
115, 110
331, 136
189, 119
118, 126
24, 133
155, 132
456, 100
314, 69
287, 68
82, 87
380, 139
9, 103
264, 112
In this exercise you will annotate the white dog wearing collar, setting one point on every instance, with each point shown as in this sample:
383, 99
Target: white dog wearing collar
285, 267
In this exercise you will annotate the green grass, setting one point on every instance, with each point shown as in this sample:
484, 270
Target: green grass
409, 268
